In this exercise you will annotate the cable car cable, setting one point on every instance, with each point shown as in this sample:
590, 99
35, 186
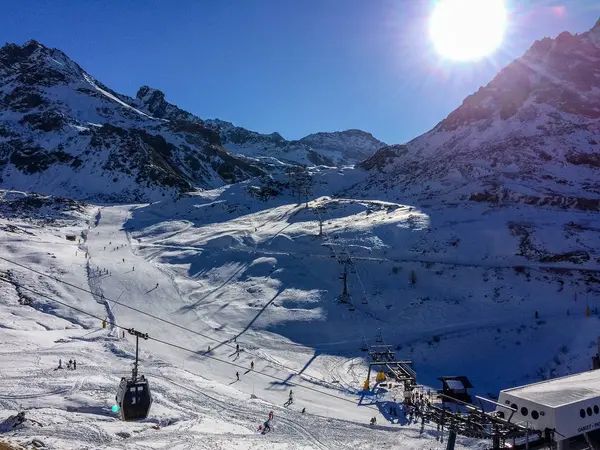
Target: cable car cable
196, 352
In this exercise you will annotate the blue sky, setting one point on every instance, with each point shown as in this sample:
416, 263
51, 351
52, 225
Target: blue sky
292, 66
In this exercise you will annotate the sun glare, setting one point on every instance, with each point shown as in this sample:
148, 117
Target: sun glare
465, 30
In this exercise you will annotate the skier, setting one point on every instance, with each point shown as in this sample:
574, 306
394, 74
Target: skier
270, 415
237, 348
267, 427
251, 365
237, 374
133, 269
291, 399
209, 349
303, 410
70, 364
156, 285
123, 259
74, 364
537, 315
60, 363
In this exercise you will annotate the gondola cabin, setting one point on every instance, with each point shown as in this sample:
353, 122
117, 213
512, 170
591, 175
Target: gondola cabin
134, 398
456, 388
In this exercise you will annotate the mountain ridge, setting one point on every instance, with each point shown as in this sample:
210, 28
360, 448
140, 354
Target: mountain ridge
62, 132
531, 135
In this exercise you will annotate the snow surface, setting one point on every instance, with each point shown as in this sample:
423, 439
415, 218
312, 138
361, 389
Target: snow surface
197, 403
226, 265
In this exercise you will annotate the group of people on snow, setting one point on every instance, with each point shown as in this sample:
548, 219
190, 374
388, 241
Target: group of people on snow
72, 364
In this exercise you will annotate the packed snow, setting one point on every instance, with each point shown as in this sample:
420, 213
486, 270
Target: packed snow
223, 268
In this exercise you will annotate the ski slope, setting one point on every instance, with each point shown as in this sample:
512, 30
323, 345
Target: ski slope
197, 404
222, 268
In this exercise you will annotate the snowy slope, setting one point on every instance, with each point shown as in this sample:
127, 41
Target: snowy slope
197, 403
229, 264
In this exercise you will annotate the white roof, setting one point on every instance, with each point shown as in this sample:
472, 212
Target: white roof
561, 391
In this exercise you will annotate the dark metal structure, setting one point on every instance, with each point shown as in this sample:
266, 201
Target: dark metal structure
383, 358
475, 422
133, 395
456, 388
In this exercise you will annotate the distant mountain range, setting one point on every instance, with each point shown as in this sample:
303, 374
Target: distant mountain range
64, 132
532, 135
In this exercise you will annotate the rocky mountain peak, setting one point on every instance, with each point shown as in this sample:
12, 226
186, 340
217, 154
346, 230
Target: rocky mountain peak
35, 64
559, 73
529, 136
153, 100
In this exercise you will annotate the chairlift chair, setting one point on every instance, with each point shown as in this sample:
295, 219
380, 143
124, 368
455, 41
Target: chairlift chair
364, 301
379, 337
351, 307
364, 347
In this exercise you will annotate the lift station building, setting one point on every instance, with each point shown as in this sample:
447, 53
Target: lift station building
568, 406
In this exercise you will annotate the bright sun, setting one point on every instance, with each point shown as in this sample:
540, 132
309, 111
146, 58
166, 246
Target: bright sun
467, 29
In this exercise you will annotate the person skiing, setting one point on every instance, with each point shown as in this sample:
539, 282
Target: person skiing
267, 427
70, 364
74, 364
237, 374
251, 365
60, 363
303, 410
208, 349
123, 259
270, 415
237, 348
156, 284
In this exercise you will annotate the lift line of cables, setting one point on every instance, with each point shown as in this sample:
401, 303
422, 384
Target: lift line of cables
332, 245
379, 337
153, 316
177, 346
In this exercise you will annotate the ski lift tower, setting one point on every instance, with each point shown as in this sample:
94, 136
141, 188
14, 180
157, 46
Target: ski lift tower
345, 296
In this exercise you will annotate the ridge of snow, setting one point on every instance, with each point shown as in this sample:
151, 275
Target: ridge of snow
90, 80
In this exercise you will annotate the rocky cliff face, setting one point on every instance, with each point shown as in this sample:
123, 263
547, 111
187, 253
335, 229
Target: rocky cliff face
532, 135
62, 132
334, 149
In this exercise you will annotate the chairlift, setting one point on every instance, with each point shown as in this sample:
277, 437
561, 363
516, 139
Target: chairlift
351, 307
379, 337
134, 397
364, 347
364, 300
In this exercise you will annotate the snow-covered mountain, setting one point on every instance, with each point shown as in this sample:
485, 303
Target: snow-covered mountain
340, 148
532, 135
63, 132
337, 148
